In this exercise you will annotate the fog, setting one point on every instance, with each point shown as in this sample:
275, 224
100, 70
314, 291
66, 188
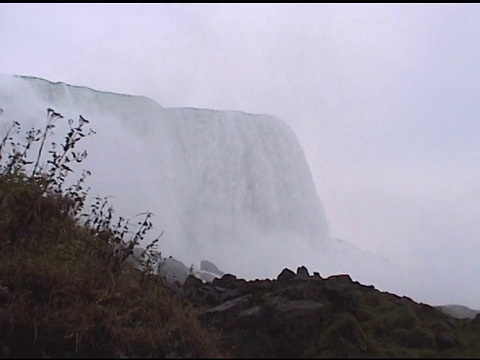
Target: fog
381, 97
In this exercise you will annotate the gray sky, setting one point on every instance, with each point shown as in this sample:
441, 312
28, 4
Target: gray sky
383, 99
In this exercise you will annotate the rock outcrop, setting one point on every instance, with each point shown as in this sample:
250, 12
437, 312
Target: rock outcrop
303, 315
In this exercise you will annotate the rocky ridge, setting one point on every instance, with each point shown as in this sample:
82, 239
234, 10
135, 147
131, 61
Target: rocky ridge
299, 314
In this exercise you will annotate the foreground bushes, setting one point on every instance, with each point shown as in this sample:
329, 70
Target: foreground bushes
64, 292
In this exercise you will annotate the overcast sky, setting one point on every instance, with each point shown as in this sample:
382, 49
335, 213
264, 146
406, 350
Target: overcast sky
383, 98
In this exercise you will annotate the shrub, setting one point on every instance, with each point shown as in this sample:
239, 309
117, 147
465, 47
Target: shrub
64, 291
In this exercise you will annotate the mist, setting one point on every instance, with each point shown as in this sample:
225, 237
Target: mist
381, 97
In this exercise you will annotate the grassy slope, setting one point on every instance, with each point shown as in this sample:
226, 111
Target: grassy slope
62, 293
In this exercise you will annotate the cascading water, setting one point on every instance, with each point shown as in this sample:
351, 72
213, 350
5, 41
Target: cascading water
227, 186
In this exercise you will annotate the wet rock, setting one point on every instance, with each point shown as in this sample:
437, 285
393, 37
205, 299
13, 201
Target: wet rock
476, 320
172, 270
251, 312
225, 281
359, 338
230, 308
302, 271
192, 282
4, 294
295, 291
446, 339
251, 317
341, 279
299, 315
303, 307
286, 275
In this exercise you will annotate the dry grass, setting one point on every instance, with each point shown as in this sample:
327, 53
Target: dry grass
63, 293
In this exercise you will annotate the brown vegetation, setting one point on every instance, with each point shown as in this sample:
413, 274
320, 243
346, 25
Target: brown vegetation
63, 293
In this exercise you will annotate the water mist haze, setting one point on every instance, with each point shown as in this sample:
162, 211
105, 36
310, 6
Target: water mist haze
219, 182
382, 99
230, 187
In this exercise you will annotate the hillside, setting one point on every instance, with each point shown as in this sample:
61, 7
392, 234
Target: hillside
64, 291
67, 291
304, 315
